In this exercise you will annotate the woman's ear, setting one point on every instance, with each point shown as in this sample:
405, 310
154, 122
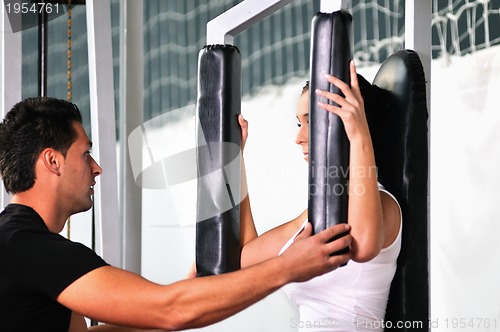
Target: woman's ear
51, 160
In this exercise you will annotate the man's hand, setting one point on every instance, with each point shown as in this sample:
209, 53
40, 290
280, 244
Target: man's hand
311, 256
119, 297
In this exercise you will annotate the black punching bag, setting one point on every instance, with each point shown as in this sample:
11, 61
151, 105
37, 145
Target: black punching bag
331, 52
396, 111
218, 159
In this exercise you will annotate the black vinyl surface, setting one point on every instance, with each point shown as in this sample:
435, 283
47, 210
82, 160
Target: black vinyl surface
396, 110
219, 140
331, 52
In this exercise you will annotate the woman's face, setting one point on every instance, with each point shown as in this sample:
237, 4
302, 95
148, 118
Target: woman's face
303, 123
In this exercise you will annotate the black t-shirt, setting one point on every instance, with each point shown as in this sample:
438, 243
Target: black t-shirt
36, 265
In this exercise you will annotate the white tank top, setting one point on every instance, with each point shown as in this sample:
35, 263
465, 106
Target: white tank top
350, 298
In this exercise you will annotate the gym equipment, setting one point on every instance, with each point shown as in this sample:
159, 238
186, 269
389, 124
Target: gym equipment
331, 52
396, 110
218, 153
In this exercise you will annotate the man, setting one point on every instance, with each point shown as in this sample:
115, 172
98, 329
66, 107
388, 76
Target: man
48, 283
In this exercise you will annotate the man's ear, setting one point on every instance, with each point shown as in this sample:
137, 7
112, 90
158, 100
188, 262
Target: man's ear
52, 160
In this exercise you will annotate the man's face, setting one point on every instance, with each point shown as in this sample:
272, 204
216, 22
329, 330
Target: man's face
78, 173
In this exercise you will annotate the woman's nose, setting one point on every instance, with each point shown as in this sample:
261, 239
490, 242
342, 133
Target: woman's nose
302, 135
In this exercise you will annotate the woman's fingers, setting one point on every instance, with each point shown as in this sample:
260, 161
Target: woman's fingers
352, 94
344, 110
244, 130
243, 123
355, 83
349, 108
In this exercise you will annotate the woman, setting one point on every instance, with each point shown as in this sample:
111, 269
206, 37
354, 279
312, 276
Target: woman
354, 297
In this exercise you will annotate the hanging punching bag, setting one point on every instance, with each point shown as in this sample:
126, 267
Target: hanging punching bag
331, 52
218, 160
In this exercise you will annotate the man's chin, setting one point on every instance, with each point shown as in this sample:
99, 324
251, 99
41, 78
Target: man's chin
84, 207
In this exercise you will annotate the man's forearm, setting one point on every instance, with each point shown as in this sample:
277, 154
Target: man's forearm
203, 301
123, 298
218, 297
114, 328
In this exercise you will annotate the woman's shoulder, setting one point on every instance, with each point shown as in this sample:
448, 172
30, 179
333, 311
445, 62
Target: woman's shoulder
392, 216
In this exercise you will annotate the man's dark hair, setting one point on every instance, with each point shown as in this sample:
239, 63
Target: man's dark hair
31, 126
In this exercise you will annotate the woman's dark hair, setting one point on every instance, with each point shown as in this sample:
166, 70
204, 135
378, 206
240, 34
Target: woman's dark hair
29, 127
305, 88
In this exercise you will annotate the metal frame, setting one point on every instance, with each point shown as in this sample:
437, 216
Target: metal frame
131, 117
330, 6
418, 34
223, 28
10, 75
102, 111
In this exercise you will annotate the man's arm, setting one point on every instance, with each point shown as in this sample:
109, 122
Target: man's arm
78, 324
122, 298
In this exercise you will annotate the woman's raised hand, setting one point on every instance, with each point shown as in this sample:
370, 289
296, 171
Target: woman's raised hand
350, 108
244, 130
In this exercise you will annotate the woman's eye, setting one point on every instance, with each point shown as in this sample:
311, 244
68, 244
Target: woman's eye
299, 124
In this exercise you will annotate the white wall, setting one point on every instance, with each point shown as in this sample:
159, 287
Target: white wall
465, 177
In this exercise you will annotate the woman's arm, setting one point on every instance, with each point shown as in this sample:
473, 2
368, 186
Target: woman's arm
258, 249
247, 226
372, 218
270, 243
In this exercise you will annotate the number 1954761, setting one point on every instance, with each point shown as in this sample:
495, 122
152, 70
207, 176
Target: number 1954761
35, 8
